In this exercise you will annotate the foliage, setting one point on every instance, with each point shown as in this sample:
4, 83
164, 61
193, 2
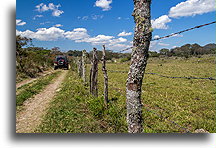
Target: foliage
73, 110
31, 60
125, 59
187, 50
28, 90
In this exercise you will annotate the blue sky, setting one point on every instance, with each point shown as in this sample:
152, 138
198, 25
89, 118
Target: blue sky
84, 24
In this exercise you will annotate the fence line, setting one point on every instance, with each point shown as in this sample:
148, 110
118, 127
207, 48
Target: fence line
172, 77
148, 108
173, 34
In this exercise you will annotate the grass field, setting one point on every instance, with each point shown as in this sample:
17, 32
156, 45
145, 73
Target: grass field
169, 105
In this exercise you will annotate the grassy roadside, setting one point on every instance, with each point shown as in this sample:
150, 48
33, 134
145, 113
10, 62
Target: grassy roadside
189, 103
28, 90
74, 111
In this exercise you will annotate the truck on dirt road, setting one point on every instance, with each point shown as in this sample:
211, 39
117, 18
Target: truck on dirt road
61, 61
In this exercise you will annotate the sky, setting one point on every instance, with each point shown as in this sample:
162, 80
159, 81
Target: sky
84, 24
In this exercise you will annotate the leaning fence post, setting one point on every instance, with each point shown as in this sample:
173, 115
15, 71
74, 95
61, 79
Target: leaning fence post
105, 77
84, 66
94, 74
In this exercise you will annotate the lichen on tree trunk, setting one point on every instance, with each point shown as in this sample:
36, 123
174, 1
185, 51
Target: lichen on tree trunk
105, 76
139, 57
84, 66
94, 74
79, 66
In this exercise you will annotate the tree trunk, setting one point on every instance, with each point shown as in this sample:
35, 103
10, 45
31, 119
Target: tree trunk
84, 66
139, 57
90, 78
105, 77
94, 75
79, 66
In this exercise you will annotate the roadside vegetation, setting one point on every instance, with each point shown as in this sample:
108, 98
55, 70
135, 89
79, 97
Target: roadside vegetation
29, 90
30, 60
169, 105
75, 111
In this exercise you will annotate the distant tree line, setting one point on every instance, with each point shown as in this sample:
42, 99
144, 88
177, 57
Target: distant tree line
31, 60
110, 55
186, 50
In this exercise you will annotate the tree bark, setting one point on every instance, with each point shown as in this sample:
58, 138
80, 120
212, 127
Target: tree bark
94, 75
84, 66
105, 77
79, 66
139, 57
90, 78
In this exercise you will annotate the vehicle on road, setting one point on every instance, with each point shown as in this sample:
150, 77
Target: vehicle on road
61, 62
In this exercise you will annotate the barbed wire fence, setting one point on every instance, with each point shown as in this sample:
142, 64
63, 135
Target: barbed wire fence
172, 77
174, 34
147, 107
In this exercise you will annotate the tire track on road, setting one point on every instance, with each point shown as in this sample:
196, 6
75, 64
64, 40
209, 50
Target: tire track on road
35, 108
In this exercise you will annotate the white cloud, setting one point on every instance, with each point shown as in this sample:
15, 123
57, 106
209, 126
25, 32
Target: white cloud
57, 12
163, 44
125, 33
47, 22
119, 47
37, 16
20, 23
76, 34
42, 7
119, 18
156, 37
192, 8
100, 39
160, 23
119, 44
58, 25
54, 8
117, 41
44, 34
85, 18
104, 4
95, 17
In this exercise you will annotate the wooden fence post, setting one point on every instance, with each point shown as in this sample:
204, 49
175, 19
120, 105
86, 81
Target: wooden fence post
79, 66
90, 78
84, 66
94, 74
139, 57
105, 77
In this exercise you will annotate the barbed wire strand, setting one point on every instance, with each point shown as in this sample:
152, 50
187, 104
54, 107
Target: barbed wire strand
150, 110
172, 77
173, 34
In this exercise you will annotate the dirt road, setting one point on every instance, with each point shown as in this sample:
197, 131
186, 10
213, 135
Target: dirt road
33, 79
35, 108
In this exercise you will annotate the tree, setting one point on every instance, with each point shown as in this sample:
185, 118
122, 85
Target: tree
55, 49
153, 54
20, 42
139, 57
164, 51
